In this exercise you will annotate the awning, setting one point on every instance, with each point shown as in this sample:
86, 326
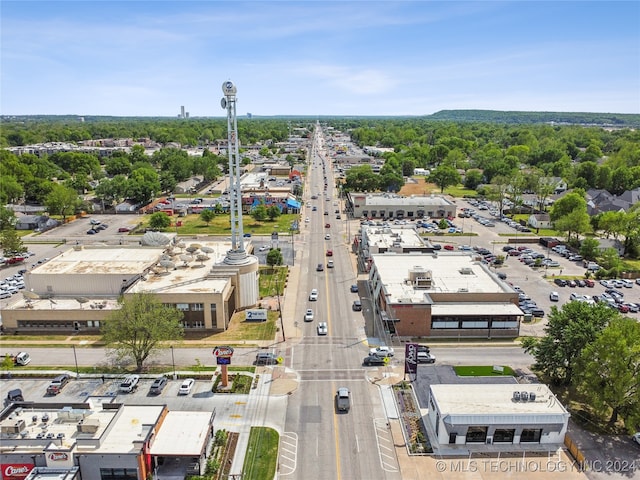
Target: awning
293, 203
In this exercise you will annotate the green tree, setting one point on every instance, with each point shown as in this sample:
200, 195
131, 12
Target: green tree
207, 215
569, 214
11, 191
62, 201
444, 176
159, 221
7, 218
259, 213
472, 179
610, 259
361, 179
609, 371
589, 248
274, 257
568, 331
10, 241
273, 212
139, 327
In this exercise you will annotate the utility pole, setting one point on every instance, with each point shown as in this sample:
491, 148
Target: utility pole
284, 338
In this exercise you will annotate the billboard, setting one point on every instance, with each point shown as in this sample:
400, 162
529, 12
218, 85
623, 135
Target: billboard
411, 358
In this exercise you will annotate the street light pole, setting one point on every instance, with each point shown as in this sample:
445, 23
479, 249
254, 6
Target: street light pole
173, 362
75, 357
284, 338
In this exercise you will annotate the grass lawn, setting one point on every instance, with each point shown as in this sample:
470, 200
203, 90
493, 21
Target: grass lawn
240, 330
262, 454
220, 225
272, 281
481, 371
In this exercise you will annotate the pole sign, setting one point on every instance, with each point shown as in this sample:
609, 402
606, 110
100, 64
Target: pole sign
223, 355
411, 358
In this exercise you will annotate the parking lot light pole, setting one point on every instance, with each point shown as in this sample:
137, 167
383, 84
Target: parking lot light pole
173, 362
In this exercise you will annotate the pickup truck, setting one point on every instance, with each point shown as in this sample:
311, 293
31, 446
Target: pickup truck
343, 399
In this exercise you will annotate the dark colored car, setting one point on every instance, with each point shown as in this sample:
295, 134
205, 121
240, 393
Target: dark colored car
357, 306
158, 385
560, 282
373, 361
15, 395
354, 288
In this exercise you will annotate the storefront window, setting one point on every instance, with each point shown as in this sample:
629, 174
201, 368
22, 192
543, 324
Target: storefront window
476, 434
503, 435
118, 474
531, 435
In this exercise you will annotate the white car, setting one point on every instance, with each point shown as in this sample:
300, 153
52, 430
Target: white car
636, 437
5, 294
554, 297
327, 236
263, 248
330, 264
322, 328
187, 385
382, 351
306, 220
313, 296
308, 315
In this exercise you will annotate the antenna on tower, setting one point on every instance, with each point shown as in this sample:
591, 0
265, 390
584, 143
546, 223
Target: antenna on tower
237, 254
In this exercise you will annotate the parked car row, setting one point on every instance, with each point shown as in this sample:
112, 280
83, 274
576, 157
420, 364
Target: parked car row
11, 285
526, 304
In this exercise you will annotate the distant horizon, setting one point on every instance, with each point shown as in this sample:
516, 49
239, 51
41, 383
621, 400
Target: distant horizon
318, 57
243, 115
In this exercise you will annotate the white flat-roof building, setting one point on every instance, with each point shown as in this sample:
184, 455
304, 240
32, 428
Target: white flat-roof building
497, 413
393, 238
444, 294
390, 205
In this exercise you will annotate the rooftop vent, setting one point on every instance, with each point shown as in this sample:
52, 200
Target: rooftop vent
420, 277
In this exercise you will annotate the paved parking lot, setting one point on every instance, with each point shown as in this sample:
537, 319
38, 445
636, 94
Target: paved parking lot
536, 283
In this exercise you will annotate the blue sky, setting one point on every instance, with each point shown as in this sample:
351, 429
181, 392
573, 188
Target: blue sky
318, 57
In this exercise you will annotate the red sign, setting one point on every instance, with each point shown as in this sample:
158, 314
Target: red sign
15, 471
222, 351
57, 456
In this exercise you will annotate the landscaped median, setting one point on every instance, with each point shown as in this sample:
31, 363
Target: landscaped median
261, 457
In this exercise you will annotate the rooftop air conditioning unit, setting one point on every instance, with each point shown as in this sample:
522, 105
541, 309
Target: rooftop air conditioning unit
524, 396
532, 396
516, 396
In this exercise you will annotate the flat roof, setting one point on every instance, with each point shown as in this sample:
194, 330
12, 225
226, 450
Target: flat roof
118, 260
182, 434
66, 303
478, 399
189, 274
132, 425
451, 272
386, 236
44, 425
484, 308
372, 199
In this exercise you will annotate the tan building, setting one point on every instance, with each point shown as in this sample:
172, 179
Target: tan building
389, 205
444, 295
77, 290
